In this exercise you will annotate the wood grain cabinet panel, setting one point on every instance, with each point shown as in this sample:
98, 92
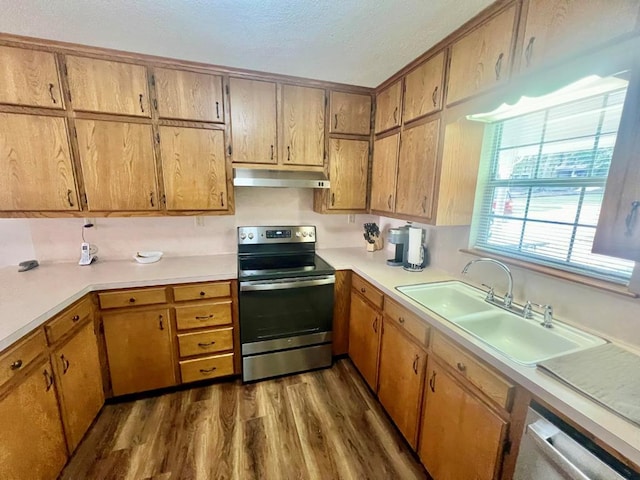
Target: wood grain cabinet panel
383, 173
186, 95
199, 343
555, 29
18, 357
341, 307
365, 325
348, 172
349, 113
206, 368
36, 173
139, 350
118, 165
78, 373
133, 298
253, 121
63, 323
29, 77
108, 87
388, 107
33, 443
194, 168
303, 126
400, 380
368, 291
482, 59
417, 169
423, 89
203, 315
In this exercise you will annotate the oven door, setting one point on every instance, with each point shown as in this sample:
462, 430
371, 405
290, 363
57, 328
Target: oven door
285, 308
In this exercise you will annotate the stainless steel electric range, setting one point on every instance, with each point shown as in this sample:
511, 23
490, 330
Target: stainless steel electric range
285, 300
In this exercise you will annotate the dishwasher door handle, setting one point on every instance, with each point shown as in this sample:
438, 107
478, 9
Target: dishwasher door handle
288, 283
536, 430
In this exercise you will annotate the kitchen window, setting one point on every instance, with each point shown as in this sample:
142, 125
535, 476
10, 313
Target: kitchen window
542, 175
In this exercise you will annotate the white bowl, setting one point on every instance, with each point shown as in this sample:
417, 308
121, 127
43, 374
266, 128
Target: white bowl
147, 257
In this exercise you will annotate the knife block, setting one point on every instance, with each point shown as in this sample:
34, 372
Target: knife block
377, 245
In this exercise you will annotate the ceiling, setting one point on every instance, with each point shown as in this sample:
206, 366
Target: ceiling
360, 42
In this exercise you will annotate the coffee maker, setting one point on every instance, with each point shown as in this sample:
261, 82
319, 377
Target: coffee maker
400, 238
403, 258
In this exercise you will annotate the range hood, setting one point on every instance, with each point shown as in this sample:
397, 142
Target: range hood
251, 177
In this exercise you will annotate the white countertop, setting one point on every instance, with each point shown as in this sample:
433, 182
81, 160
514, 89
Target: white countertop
29, 299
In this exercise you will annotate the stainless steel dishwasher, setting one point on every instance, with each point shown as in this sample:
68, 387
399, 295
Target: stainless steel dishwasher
551, 449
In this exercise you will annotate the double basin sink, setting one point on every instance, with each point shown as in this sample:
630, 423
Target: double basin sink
522, 340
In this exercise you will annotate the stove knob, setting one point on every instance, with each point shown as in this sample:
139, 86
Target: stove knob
243, 236
304, 234
310, 234
251, 236
298, 234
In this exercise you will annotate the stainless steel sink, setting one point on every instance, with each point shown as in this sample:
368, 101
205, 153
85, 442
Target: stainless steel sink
522, 340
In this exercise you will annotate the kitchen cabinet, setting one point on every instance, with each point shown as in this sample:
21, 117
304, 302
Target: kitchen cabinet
423, 89
341, 308
253, 121
384, 173
184, 95
482, 58
36, 172
303, 126
108, 87
29, 77
556, 29
388, 107
349, 113
79, 379
139, 349
401, 378
30, 418
194, 168
118, 165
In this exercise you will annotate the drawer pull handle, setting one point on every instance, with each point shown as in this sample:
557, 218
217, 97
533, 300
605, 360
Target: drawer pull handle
75, 318
401, 319
65, 364
461, 366
204, 371
204, 317
132, 300
48, 379
415, 364
205, 345
16, 365
432, 382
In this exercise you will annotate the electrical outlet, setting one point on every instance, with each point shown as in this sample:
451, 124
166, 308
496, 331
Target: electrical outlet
351, 218
199, 221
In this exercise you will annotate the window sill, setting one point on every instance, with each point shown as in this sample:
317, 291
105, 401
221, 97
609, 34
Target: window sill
554, 272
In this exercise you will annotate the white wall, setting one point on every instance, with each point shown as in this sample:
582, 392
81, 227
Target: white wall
15, 241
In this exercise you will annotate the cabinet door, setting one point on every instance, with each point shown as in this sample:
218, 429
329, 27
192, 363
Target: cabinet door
350, 113
417, 169
78, 372
482, 58
35, 164
400, 380
423, 89
193, 168
108, 87
388, 107
302, 126
118, 165
365, 325
139, 349
29, 77
348, 169
253, 121
455, 423
383, 173
559, 28
189, 96
32, 444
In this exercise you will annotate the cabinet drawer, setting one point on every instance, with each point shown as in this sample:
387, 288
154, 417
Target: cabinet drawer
64, 322
490, 383
367, 290
203, 315
410, 322
201, 291
203, 368
130, 298
18, 357
198, 343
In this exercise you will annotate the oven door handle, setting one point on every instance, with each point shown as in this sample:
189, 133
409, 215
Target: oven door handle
287, 283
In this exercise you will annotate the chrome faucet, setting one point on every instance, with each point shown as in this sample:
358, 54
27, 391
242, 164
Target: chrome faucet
547, 311
508, 298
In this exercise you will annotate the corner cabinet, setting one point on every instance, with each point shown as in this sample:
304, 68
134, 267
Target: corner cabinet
349, 113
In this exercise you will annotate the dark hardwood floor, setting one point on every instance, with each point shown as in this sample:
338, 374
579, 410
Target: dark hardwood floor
317, 425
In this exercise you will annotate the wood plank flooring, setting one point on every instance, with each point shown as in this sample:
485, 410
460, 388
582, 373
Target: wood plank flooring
316, 425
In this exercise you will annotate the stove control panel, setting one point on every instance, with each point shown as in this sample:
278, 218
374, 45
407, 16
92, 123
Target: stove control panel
290, 234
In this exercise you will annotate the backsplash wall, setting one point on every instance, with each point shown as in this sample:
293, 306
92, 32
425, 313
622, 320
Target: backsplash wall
58, 239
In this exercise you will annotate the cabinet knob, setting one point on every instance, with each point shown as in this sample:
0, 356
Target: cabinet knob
132, 300
202, 294
16, 365
363, 290
461, 366
401, 319
75, 318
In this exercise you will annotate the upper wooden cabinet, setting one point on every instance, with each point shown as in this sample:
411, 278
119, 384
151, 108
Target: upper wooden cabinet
193, 168
384, 173
118, 165
482, 59
29, 77
349, 113
555, 29
108, 87
253, 121
303, 126
36, 172
423, 89
186, 95
388, 107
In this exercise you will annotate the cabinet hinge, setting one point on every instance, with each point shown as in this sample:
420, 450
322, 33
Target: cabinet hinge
230, 150
153, 80
226, 89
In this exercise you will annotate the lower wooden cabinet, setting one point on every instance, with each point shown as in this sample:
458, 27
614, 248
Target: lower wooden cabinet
30, 419
341, 308
365, 325
139, 350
